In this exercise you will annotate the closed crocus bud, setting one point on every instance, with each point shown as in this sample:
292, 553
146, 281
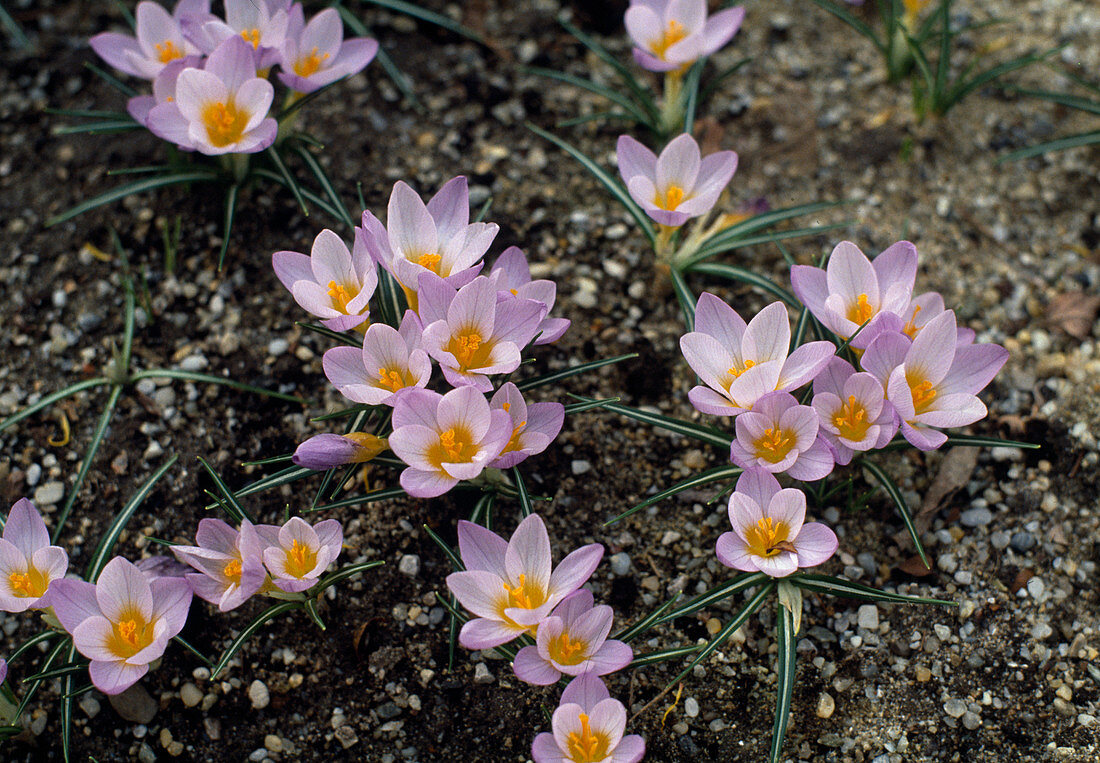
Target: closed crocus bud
325, 451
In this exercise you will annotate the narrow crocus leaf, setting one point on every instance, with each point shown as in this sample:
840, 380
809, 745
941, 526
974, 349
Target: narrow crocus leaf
281, 477
193, 650
716, 594
745, 276
894, 492
975, 441
247, 632
525, 507
635, 111
172, 373
234, 507
785, 638
382, 494
89, 457
557, 376
625, 73
684, 296
699, 432
639, 628
859, 26
835, 586
128, 189
230, 205
325, 182
417, 12
344, 573
451, 554
483, 510
581, 407
717, 474
67, 698
52, 398
674, 653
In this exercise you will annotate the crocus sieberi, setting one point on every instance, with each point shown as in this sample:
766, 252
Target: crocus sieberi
445, 438
262, 25
779, 435
739, 362
229, 562
330, 282
297, 554
671, 35
329, 450
164, 91
573, 640
159, 39
852, 409
534, 425
770, 534
122, 622
28, 563
588, 726
513, 280
512, 586
316, 54
677, 185
389, 362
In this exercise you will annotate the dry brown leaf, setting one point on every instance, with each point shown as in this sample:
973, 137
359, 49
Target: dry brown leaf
1073, 312
915, 567
955, 470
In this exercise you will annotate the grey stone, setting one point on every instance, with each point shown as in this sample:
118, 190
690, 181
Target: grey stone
867, 617
135, 704
49, 494
259, 695
620, 563
954, 707
979, 517
409, 565
1022, 541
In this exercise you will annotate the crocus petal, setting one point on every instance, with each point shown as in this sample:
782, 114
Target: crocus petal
732, 551
481, 549
575, 569
815, 544
120, 588
528, 552
531, 668
73, 602
115, 677
486, 634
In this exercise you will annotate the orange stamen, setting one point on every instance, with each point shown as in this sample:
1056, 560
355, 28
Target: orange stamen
774, 445
851, 420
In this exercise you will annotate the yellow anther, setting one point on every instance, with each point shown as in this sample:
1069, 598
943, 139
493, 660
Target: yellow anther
224, 122
768, 537
524, 595
452, 444
300, 559
513, 441
252, 36
671, 198
851, 420
127, 630
167, 51
861, 310
309, 65
671, 35
430, 261
28, 586
735, 372
340, 296
587, 746
911, 330
392, 379
232, 570
774, 445
923, 393
464, 347
568, 651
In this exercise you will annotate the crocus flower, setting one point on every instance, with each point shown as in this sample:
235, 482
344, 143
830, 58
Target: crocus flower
316, 54
933, 381
779, 435
159, 39
261, 25
3, 670
679, 184
445, 438
573, 640
297, 554
769, 531
436, 237
390, 361
229, 562
852, 409
739, 362
28, 563
161, 566
332, 283
513, 279
534, 425
472, 334
328, 450
512, 586
222, 108
671, 35
122, 622
164, 91
588, 726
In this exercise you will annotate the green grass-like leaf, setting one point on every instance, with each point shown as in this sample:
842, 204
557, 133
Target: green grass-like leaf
858, 25
846, 589
1061, 144
633, 110
745, 276
894, 492
719, 593
785, 638
699, 432
445, 547
193, 650
52, 398
390, 298
557, 376
411, 9
717, 474
582, 407
625, 73
288, 178
229, 215
191, 376
344, 573
525, 507
382, 494
247, 632
639, 628
233, 507
128, 189
325, 182
685, 297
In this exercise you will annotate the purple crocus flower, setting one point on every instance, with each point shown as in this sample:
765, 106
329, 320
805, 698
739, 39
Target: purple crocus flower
297, 554
512, 586
779, 435
262, 25
671, 35
573, 640
513, 279
588, 726
445, 438
769, 531
122, 622
739, 362
316, 54
679, 184
534, 425
221, 108
852, 409
328, 450
472, 334
390, 361
332, 283
164, 91
159, 40
29, 565
229, 562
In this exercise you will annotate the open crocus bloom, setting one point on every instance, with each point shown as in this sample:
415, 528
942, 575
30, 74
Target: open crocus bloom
28, 563
122, 622
671, 35
390, 361
316, 54
327, 450
221, 108
741, 362
297, 554
779, 435
164, 91
679, 184
769, 534
445, 438
852, 409
262, 25
229, 562
588, 728
933, 381
512, 586
332, 283
573, 640
534, 426
159, 39
513, 280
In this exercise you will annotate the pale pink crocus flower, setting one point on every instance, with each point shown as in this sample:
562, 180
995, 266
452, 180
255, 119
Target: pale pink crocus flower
473, 335
297, 554
779, 435
512, 586
534, 425
316, 54
933, 381
513, 280
679, 184
28, 563
770, 534
739, 363
123, 622
261, 25
229, 562
330, 282
853, 410
671, 35
328, 450
445, 438
389, 362
573, 640
159, 39
221, 108
164, 91
588, 726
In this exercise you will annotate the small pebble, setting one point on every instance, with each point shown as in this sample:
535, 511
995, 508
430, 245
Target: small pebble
259, 695
620, 563
971, 720
49, 494
409, 565
580, 466
273, 743
482, 674
1022, 541
954, 707
867, 617
978, 517
691, 707
826, 705
190, 694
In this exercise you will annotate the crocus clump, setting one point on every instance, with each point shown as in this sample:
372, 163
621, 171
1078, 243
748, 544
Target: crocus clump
671, 35
29, 565
588, 726
158, 40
